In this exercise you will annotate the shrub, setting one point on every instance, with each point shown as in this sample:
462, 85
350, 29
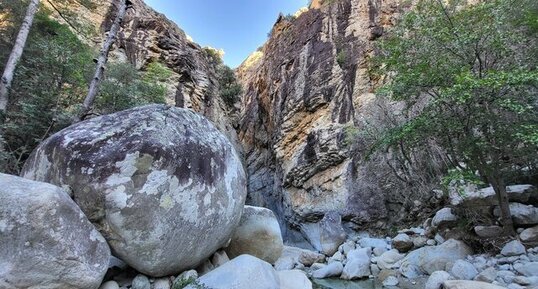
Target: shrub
230, 89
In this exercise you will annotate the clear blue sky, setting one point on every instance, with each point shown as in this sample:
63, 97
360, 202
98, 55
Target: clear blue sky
237, 26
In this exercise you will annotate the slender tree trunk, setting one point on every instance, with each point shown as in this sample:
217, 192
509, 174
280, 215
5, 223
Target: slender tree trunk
102, 60
502, 196
16, 53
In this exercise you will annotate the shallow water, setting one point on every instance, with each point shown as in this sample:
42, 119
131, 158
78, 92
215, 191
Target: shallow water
363, 284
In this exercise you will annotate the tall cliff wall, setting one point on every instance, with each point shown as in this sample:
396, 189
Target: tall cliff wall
304, 90
147, 36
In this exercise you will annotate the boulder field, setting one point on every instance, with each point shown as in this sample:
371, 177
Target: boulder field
154, 198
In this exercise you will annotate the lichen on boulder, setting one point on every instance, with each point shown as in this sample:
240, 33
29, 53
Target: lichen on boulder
162, 184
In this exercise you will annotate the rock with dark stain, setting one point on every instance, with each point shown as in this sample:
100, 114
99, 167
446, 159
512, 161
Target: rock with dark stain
162, 184
45, 239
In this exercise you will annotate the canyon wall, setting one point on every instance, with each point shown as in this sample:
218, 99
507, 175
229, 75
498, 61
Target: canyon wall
305, 90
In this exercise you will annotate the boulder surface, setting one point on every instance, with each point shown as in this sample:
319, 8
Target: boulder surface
46, 241
243, 272
162, 184
258, 234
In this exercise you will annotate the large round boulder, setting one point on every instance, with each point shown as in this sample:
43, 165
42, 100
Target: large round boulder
258, 234
162, 184
45, 239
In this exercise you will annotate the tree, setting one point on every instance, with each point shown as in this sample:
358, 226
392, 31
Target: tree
469, 73
124, 87
48, 87
103, 58
16, 52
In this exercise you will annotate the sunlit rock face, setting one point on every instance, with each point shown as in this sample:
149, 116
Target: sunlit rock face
162, 184
147, 36
303, 89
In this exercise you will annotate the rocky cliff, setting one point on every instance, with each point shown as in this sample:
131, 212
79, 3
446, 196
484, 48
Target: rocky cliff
304, 91
147, 36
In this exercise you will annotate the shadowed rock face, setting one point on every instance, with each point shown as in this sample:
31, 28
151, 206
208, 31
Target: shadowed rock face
302, 90
162, 184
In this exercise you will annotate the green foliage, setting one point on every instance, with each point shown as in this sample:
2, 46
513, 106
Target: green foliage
213, 54
289, 17
230, 89
458, 178
341, 58
182, 283
47, 88
125, 87
351, 133
469, 74
51, 81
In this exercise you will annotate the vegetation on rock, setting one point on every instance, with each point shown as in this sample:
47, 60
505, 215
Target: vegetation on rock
51, 80
469, 74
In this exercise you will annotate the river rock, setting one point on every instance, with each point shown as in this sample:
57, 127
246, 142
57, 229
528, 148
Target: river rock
373, 243
293, 255
436, 280
526, 194
389, 259
402, 242
464, 284
110, 285
243, 272
141, 282
513, 248
463, 270
161, 283
46, 241
294, 279
391, 281
333, 269
427, 260
530, 235
488, 231
220, 257
521, 214
444, 218
527, 269
162, 184
488, 275
358, 264
326, 235
258, 234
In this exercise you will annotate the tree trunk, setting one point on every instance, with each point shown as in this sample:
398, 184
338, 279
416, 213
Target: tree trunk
102, 60
16, 53
502, 196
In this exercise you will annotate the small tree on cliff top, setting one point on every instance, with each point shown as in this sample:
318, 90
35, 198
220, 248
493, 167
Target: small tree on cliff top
470, 72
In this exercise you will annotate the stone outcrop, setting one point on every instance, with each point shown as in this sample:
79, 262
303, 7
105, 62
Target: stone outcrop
147, 36
46, 240
304, 90
162, 184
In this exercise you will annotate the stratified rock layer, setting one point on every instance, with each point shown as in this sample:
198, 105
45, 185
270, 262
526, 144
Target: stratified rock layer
162, 184
303, 90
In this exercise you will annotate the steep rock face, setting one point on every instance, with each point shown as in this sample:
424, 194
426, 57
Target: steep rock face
303, 90
147, 36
